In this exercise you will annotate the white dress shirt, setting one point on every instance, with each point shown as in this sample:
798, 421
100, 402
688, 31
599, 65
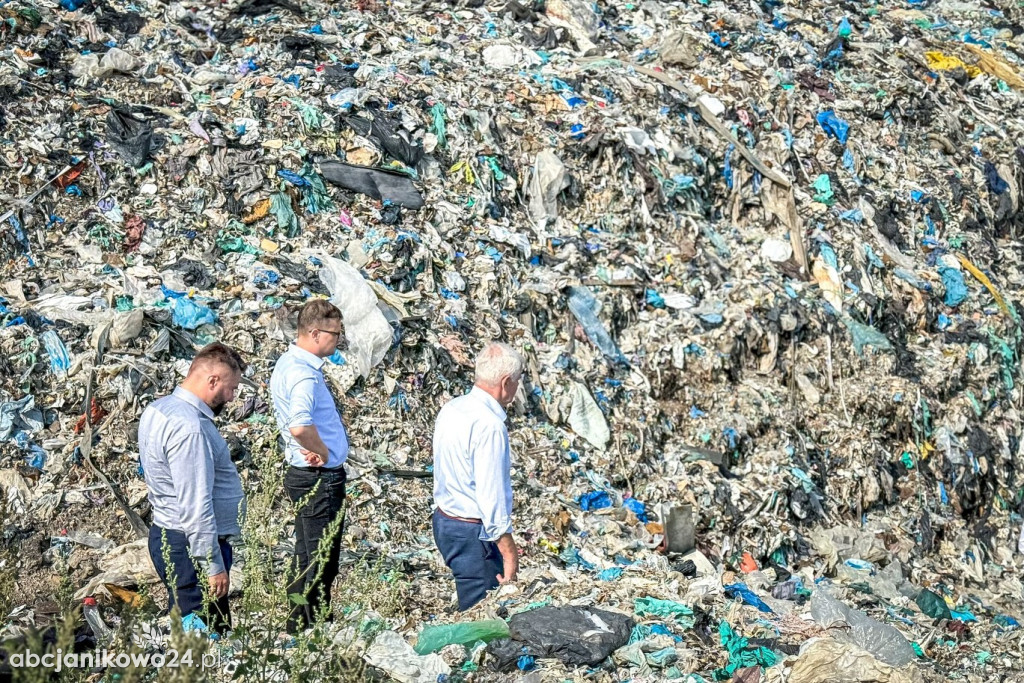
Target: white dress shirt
472, 463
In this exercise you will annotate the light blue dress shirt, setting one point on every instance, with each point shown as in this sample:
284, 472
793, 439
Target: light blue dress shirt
301, 398
193, 486
472, 463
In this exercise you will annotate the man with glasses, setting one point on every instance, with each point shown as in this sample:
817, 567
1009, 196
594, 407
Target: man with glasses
316, 447
194, 488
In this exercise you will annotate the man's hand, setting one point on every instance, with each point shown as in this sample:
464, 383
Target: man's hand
313, 459
219, 584
510, 559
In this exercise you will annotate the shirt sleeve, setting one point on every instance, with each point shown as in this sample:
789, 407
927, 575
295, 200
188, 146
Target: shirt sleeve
300, 403
491, 466
191, 463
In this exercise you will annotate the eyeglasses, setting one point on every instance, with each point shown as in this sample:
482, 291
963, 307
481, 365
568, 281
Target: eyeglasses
332, 332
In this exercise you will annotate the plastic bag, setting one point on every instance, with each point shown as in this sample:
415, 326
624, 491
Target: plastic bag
367, 331
666, 609
956, 288
130, 137
881, 640
433, 638
379, 184
585, 308
586, 419
834, 126
190, 315
393, 655
576, 636
60, 362
824, 660
547, 179
932, 605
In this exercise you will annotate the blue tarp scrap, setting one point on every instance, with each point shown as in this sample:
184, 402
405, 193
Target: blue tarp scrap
834, 126
956, 288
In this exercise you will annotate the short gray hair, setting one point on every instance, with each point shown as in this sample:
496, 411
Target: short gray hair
496, 361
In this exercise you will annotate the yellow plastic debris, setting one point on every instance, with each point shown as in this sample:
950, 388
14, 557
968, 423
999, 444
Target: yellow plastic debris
983, 279
944, 62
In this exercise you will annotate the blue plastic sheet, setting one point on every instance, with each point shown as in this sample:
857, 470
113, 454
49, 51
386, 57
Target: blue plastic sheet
60, 362
956, 288
638, 508
738, 590
190, 315
610, 574
834, 126
595, 500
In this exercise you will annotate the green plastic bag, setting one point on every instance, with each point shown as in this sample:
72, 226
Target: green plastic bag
666, 609
433, 638
932, 605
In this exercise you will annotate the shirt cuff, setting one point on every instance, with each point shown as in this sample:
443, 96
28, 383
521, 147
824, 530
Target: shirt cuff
496, 531
300, 422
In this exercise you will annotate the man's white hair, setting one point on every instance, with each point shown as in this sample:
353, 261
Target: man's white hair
497, 361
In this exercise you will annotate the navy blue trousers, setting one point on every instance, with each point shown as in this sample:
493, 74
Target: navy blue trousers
475, 563
188, 592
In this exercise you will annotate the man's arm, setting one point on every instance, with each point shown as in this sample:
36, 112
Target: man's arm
190, 460
313, 447
491, 471
300, 422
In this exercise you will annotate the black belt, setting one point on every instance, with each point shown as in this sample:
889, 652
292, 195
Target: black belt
339, 468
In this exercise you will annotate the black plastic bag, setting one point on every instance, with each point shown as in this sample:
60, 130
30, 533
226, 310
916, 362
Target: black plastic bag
373, 182
576, 636
130, 137
386, 134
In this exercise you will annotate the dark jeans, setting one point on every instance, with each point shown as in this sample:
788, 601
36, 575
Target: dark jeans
188, 591
314, 579
475, 563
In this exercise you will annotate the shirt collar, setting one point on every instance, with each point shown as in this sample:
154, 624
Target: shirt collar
194, 401
305, 356
488, 401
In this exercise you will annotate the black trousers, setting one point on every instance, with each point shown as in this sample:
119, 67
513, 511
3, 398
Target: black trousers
188, 589
323, 491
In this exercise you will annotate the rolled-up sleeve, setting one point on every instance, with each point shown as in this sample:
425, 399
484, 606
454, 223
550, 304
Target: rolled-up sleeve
191, 462
491, 465
301, 403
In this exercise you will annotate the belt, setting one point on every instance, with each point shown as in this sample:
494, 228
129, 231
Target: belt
339, 468
459, 519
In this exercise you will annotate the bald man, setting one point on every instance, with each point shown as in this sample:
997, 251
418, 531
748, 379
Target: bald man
194, 487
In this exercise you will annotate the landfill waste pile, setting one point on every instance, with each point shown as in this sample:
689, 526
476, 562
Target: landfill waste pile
763, 260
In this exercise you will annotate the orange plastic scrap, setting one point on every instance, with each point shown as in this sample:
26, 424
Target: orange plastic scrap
259, 210
983, 279
748, 563
67, 179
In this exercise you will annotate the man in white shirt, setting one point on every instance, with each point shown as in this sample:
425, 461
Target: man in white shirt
472, 486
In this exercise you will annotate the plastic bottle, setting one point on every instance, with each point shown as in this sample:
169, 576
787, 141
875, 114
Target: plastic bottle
91, 612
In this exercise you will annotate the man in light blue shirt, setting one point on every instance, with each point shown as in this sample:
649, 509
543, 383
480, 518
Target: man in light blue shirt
472, 480
194, 488
316, 447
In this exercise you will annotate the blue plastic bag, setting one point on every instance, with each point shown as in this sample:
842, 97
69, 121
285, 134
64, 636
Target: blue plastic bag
738, 590
638, 508
60, 362
834, 126
190, 315
595, 500
956, 288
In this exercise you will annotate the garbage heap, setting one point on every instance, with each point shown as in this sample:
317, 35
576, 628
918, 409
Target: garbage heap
763, 261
